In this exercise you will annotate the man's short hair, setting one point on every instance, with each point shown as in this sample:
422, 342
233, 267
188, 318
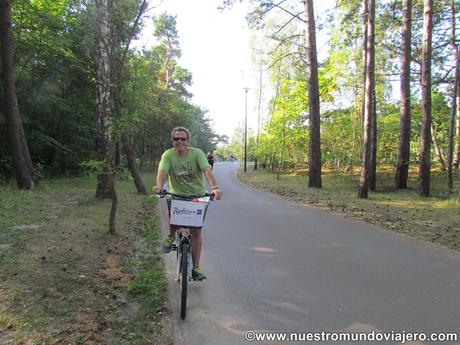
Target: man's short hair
180, 129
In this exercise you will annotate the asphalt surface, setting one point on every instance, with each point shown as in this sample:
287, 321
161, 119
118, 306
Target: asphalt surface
275, 266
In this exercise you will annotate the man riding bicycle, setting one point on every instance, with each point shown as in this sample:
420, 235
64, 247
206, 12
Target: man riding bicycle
184, 166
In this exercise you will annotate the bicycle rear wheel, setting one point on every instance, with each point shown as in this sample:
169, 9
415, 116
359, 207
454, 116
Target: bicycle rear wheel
184, 282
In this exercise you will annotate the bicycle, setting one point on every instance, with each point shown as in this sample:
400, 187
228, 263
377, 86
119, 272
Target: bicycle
185, 212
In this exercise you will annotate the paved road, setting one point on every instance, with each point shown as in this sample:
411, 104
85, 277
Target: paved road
276, 266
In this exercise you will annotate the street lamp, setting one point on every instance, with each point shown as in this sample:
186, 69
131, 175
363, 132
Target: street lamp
246, 89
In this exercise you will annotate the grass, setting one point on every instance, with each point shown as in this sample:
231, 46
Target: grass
65, 280
435, 219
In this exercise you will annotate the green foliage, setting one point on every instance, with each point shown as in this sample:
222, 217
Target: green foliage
340, 140
441, 114
55, 68
55, 87
96, 167
280, 49
388, 136
151, 285
156, 98
166, 31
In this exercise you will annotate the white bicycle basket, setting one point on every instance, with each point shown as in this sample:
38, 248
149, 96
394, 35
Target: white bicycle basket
188, 213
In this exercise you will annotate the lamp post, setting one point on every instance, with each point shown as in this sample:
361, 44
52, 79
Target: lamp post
246, 89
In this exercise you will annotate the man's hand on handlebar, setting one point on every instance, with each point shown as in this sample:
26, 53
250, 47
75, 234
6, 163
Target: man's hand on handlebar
157, 189
218, 193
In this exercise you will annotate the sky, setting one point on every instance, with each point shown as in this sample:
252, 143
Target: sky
215, 49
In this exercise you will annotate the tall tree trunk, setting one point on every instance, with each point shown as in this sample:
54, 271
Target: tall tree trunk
364, 53
272, 111
314, 151
373, 161
365, 37
15, 131
425, 146
105, 186
455, 108
402, 170
354, 115
450, 178
368, 109
457, 147
132, 166
437, 149
258, 118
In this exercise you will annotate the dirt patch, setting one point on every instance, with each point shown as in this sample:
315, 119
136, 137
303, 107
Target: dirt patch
113, 271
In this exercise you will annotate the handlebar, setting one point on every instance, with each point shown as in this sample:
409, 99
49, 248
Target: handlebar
164, 193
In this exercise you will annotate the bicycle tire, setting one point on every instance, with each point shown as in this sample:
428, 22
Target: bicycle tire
184, 282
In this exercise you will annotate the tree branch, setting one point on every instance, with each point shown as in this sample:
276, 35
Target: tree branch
292, 14
282, 27
142, 10
283, 40
282, 58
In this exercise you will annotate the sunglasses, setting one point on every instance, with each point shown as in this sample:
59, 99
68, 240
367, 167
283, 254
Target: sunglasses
180, 139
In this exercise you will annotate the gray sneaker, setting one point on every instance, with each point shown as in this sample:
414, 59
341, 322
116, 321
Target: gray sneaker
198, 274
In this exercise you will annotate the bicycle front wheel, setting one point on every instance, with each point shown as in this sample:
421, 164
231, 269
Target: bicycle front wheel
184, 282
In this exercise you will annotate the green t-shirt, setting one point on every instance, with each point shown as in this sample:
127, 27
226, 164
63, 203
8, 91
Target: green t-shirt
185, 172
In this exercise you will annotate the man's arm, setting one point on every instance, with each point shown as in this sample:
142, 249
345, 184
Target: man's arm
161, 179
212, 182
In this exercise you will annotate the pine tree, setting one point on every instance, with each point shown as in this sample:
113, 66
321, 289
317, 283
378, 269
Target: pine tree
16, 137
425, 146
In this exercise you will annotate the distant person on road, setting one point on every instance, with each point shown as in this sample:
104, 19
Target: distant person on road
232, 157
210, 158
184, 167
